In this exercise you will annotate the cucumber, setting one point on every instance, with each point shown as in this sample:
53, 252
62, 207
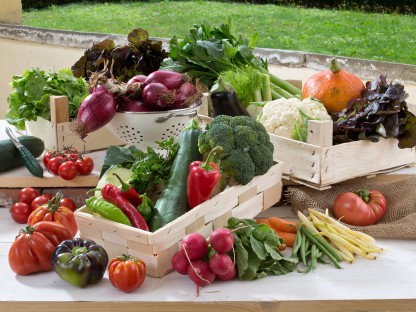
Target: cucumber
9, 155
109, 178
173, 201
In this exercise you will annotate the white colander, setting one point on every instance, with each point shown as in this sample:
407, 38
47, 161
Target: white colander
143, 129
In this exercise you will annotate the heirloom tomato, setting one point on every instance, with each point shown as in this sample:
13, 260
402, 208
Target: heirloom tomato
53, 211
360, 208
32, 249
126, 272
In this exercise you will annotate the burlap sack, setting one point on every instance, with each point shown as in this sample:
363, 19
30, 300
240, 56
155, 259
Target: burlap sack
399, 221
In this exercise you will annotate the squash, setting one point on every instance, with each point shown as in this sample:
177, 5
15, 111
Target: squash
334, 87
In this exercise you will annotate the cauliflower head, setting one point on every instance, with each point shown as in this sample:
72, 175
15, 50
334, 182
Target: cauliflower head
279, 116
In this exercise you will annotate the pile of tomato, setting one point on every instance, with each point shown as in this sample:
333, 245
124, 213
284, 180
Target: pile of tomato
68, 163
28, 199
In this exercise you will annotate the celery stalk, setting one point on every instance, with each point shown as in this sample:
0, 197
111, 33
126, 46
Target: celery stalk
266, 90
282, 84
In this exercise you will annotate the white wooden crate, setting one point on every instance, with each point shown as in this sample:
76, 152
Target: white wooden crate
319, 164
56, 133
157, 248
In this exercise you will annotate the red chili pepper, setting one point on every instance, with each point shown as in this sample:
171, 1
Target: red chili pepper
114, 195
202, 179
129, 192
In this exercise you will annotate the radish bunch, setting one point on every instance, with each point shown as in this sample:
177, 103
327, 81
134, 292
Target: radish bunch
204, 262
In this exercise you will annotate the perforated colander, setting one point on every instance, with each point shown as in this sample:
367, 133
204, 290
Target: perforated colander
143, 129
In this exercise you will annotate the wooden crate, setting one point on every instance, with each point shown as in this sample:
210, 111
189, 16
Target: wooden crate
157, 248
56, 133
319, 164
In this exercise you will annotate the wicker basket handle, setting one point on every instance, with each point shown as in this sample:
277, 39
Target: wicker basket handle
164, 118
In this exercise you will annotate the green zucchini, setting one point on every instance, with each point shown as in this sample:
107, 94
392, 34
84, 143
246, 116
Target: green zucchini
9, 155
173, 201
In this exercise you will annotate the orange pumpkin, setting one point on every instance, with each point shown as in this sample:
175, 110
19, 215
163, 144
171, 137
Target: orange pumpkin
333, 87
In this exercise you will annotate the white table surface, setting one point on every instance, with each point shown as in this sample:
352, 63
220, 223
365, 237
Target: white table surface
389, 280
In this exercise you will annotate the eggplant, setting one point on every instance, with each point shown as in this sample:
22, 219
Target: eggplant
223, 100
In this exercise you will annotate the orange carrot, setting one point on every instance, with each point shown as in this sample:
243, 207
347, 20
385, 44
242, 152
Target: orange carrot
282, 247
263, 221
283, 225
288, 238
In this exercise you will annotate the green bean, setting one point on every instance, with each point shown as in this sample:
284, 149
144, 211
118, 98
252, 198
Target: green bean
323, 247
298, 242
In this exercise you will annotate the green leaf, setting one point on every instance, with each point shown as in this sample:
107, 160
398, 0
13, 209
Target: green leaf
253, 264
258, 248
241, 256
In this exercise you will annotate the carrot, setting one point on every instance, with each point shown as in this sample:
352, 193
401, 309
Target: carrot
263, 221
288, 238
283, 225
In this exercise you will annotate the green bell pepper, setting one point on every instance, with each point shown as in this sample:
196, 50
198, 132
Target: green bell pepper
80, 262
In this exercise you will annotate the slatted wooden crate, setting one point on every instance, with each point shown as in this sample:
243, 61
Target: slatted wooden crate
157, 248
319, 164
57, 133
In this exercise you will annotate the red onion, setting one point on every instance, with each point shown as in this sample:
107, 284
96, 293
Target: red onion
172, 80
132, 105
137, 78
156, 96
187, 89
98, 88
95, 112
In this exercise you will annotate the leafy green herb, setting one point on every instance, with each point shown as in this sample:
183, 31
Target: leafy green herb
32, 89
257, 250
380, 112
150, 168
300, 129
140, 55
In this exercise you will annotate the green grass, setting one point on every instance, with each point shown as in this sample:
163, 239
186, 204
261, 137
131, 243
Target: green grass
384, 37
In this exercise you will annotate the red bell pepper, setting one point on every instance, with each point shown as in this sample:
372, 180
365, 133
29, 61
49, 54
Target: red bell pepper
202, 179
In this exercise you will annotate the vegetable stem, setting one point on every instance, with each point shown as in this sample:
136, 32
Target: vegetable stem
282, 84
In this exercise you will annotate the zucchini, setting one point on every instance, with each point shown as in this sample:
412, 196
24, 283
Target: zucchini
173, 201
9, 155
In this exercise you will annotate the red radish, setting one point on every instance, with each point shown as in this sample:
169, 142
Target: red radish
172, 80
156, 96
200, 273
193, 246
220, 263
222, 240
179, 263
137, 78
95, 112
131, 105
228, 276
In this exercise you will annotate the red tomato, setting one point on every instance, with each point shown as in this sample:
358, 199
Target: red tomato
20, 212
85, 165
54, 163
360, 208
27, 195
40, 200
68, 203
32, 249
126, 273
47, 156
68, 170
53, 211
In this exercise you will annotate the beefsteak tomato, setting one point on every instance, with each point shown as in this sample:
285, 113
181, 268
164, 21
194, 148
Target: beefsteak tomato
126, 272
53, 211
360, 208
32, 249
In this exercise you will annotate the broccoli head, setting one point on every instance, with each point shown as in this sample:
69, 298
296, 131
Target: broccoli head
247, 148
237, 165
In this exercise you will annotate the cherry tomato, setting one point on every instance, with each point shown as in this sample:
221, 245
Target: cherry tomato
47, 156
54, 163
20, 212
360, 208
40, 200
85, 165
27, 195
68, 170
126, 272
68, 202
